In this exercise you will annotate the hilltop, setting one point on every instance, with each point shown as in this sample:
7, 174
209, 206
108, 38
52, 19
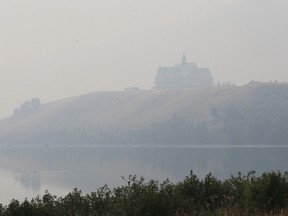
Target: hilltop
253, 113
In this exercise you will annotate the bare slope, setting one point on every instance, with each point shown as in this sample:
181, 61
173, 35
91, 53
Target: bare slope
121, 111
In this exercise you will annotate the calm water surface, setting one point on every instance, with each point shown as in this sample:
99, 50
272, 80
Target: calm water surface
26, 171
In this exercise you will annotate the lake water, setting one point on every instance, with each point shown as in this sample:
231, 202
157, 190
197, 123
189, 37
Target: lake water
26, 171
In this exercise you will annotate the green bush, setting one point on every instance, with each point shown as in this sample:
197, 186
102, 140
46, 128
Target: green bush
249, 194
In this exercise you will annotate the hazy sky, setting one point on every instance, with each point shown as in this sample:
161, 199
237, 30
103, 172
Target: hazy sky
59, 48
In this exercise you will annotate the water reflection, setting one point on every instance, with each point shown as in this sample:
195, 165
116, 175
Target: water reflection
30, 181
62, 168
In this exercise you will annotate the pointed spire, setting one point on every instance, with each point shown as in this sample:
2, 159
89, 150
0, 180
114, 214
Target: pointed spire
183, 60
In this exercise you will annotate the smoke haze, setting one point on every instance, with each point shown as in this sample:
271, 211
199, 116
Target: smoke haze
54, 49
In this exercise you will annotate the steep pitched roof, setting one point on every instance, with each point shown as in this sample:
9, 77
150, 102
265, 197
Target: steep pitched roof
184, 75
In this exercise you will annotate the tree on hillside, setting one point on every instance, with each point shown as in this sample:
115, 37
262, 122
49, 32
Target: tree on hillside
35, 105
28, 107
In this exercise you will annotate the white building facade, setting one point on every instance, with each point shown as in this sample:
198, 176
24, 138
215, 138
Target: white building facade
184, 75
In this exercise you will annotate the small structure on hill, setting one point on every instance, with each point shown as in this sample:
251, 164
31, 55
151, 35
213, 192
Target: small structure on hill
183, 75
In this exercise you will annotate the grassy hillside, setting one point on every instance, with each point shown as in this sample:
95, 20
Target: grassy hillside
134, 116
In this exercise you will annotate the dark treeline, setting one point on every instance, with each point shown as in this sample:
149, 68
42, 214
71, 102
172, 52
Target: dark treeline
229, 124
232, 128
249, 194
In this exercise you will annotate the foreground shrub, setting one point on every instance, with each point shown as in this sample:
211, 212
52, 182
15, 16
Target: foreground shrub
249, 194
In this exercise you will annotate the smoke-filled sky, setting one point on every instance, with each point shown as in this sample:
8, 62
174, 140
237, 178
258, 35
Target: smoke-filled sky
53, 49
